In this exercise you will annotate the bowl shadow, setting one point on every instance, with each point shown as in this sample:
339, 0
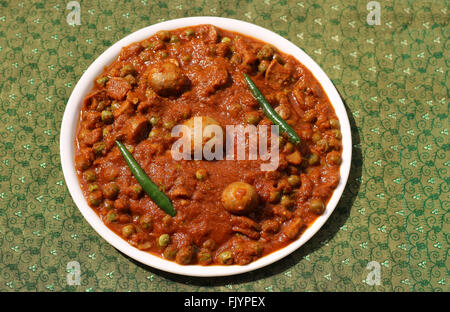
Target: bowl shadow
325, 234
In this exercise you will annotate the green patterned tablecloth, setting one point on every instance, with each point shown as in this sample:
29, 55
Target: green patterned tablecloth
392, 219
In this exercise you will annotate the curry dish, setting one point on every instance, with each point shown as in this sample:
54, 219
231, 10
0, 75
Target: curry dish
227, 211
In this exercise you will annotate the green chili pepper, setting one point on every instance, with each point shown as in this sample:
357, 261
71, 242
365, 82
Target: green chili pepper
149, 187
270, 112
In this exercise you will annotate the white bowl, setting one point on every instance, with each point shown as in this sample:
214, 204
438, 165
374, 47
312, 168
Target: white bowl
85, 84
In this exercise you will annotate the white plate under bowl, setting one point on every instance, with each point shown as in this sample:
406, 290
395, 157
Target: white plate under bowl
85, 84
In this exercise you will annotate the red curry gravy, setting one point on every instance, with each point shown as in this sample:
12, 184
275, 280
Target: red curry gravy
168, 79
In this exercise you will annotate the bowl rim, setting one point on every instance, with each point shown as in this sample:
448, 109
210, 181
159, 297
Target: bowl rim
85, 84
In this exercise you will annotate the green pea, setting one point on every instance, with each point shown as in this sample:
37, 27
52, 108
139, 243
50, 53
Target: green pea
309, 115
146, 44
277, 57
102, 80
337, 134
266, 52
95, 198
334, 159
201, 174
163, 240
189, 32
334, 123
226, 40
209, 244
154, 133
294, 180
163, 54
115, 105
102, 105
317, 206
316, 137
128, 230
93, 187
313, 159
286, 201
107, 117
185, 255
235, 108
109, 204
174, 39
155, 45
186, 58
262, 67
89, 176
323, 145
111, 190
168, 125
236, 59
146, 222
98, 148
127, 69
130, 148
274, 197
83, 163
226, 257
111, 216
163, 35
288, 148
170, 252
252, 117
204, 257
259, 248
132, 81
167, 220
153, 120
136, 190
105, 132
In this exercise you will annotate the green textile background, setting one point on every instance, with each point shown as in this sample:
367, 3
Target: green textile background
393, 78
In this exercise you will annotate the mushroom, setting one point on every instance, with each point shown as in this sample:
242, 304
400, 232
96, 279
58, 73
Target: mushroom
167, 79
239, 198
